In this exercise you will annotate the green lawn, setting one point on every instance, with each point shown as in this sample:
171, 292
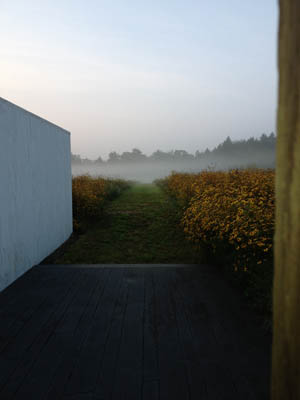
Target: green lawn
141, 226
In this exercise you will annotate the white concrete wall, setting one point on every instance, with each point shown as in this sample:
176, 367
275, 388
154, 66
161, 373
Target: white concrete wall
35, 190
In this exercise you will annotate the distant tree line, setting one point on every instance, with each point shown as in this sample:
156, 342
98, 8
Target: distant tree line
265, 145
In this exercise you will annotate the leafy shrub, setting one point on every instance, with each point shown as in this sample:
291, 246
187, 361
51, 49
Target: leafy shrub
232, 213
90, 195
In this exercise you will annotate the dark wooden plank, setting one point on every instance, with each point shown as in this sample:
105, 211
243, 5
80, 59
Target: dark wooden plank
19, 286
37, 384
215, 330
22, 368
151, 390
23, 304
106, 373
187, 340
20, 341
45, 304
192, 301
82, 396
64, 371
150, 350
144, 333
242, 347
194, 327
218, 381
172, 368
129, 370
84, 375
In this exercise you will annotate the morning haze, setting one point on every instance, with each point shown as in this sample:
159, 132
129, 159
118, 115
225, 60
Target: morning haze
149, 75
134, 165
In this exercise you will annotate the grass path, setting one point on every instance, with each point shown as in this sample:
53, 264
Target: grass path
141, 226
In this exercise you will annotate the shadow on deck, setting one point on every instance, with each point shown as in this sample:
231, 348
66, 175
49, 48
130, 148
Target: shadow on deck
128, 332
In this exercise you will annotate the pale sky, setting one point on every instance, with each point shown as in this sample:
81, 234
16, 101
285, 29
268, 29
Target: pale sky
156, 74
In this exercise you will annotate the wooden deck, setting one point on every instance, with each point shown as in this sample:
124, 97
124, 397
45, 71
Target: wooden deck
128, 332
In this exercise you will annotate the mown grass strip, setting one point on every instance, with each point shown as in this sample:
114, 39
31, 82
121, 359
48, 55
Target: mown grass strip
140, 226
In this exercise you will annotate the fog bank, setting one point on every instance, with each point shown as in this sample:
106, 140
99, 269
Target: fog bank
148, 171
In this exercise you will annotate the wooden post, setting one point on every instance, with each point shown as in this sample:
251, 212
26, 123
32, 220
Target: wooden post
286, 294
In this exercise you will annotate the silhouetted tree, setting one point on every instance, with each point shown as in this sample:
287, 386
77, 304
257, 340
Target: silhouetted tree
180, 155
113, 157
260, 152
99, 160
162, 156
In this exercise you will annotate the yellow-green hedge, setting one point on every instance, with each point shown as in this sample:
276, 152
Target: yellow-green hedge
90, 194
234, 208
